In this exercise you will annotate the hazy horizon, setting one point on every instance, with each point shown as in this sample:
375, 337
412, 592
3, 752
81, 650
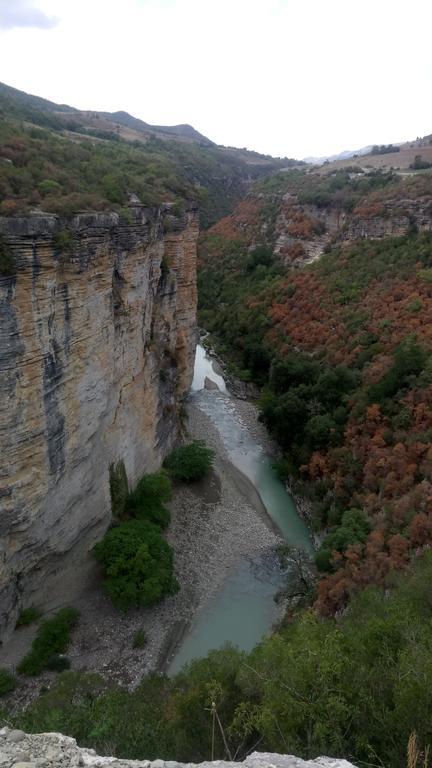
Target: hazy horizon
281, 77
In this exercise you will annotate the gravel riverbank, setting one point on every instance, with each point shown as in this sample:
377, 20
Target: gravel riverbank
214, 524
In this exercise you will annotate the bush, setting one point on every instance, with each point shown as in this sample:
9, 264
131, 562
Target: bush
58, 663
190, 462
28, 616
63, 241
7, 261
51, 639
140, 639
7, 682
146, 501
118, 489
138, 564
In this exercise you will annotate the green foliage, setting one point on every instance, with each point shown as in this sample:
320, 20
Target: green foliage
7, 682
63, 241
118, 489
52, 638
58, 663
353, 529
140, 639
68, 175
303, 404
419, 164
28, 616
190, 462
384, 149
7, 261
409, 361
137, 563
262, 255
49, 186
355, 687
147, 500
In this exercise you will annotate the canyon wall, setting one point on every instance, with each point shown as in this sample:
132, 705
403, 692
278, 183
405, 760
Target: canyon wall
303, 231
97, 341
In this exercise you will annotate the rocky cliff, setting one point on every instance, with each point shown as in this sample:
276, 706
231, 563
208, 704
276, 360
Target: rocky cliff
53, 749
303, 231
97, 339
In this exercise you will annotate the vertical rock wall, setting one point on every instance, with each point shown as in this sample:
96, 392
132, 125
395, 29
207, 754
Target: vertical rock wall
97, 341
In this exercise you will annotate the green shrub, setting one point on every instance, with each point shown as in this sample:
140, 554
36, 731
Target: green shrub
147, 500
353, 529
190, 462
52, 638
28, 616
49, 187
118, 489
7, 261
138, 564
7, 682
58, 663
140, 639
63, 241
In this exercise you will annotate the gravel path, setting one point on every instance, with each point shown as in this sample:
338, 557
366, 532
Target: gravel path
214, 524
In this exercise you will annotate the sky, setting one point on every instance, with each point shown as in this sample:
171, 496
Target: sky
292, 78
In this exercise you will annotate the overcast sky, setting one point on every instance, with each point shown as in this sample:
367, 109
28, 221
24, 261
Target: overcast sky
285, 77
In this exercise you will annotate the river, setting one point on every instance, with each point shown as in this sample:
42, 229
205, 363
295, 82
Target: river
243, 609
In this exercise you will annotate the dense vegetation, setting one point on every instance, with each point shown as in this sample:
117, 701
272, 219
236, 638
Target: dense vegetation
51, 640
342, 352
136, 559
356, 688
52, 160
189, 462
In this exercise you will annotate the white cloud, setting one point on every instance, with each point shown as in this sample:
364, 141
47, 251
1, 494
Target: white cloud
23, 13
295, 77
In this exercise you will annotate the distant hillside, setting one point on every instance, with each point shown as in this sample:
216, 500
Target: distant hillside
345, 155
64, 160
398, 157
27, 106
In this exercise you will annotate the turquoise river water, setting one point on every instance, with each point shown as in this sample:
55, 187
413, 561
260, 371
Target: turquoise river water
243, 609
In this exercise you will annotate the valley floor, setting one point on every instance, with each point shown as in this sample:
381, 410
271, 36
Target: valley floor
214, 524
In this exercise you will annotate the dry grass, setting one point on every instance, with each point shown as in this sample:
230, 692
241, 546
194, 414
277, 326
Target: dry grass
397, 160
416, 758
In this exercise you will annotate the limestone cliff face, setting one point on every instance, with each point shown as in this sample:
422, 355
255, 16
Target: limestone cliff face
97, 341
303, 231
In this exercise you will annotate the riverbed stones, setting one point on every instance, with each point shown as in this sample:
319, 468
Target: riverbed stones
53, 750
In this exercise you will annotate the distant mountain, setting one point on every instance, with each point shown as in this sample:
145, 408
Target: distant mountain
345, 155
26, 106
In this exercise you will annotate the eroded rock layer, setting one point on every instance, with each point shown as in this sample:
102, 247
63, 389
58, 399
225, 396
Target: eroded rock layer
97, 340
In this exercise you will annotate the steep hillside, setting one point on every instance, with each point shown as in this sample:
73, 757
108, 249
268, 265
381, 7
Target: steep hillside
62, 160
342, 348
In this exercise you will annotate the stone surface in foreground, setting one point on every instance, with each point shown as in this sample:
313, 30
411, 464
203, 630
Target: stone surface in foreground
52, 750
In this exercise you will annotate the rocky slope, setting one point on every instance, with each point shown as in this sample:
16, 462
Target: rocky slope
53, 749
96, 352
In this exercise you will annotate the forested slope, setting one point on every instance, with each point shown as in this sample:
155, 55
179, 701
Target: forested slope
62, 160
342, 350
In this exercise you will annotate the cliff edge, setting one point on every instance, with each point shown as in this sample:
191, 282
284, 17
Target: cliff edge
53, 749
97, 341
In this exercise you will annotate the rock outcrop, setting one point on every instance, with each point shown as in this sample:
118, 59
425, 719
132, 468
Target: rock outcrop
56, 751
97, 341
304, 231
